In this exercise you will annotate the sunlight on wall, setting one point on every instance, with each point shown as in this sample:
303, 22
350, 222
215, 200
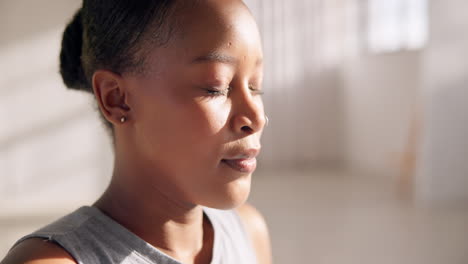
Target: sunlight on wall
52, 142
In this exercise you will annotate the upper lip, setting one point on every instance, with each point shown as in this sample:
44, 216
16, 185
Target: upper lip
243, 154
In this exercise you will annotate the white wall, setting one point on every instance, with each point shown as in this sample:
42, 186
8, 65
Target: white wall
54, 155
380, 92
53, 152
304, 42
384, 94
443, 172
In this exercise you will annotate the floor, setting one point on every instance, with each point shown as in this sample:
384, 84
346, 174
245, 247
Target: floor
334, 217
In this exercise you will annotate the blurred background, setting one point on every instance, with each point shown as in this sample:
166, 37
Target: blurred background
365, 159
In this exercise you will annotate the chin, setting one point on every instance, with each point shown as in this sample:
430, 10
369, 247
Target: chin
229, 196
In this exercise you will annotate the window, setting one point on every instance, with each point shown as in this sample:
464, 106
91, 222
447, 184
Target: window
395, 25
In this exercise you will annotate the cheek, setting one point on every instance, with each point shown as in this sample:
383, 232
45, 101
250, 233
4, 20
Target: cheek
205, 117
182, 127
200, 131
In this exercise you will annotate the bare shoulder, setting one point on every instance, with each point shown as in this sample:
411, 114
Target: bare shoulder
257, 228
38, 251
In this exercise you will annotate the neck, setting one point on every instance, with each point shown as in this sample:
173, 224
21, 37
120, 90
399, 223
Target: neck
156, 215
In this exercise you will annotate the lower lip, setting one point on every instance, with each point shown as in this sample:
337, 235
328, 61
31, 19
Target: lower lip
242, 165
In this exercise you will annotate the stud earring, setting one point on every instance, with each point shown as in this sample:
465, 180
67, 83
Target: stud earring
123, 119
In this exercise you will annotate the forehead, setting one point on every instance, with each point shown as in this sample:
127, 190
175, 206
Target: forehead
207, 29
218, 25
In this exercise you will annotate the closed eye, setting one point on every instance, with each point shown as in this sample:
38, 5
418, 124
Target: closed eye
213, 91
255, 90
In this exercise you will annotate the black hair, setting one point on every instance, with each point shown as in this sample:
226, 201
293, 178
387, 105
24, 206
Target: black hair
110, 34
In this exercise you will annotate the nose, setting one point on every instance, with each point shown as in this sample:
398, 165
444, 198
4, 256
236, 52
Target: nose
248, 116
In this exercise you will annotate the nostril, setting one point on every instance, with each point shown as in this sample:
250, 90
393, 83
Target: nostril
247, 129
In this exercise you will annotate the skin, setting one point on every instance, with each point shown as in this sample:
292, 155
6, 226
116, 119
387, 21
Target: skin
169, 152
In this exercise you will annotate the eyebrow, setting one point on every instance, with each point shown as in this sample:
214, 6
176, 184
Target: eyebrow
216, 57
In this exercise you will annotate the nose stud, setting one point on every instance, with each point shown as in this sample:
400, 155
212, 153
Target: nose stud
123, 119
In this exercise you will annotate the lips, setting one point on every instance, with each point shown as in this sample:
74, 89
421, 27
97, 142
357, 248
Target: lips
242, 160
242, 165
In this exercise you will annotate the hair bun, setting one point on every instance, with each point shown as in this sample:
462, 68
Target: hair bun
71, 67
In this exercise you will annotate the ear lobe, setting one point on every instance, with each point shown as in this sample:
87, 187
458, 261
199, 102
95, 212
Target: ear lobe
111, 95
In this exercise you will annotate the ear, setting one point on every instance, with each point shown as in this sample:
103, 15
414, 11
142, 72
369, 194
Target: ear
111, 95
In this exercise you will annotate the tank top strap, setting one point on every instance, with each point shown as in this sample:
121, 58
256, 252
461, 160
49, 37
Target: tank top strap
232, 243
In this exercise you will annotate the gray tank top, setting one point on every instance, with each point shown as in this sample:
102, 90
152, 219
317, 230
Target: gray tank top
90, 236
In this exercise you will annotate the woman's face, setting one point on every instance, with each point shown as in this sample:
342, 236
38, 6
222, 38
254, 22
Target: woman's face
197, 114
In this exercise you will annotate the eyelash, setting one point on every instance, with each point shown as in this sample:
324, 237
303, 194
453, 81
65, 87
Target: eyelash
256, 91
217, 92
